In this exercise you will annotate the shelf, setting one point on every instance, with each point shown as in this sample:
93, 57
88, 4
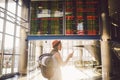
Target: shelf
70, 37
77, 17
81, 3
82, 9
81, 17
67, 17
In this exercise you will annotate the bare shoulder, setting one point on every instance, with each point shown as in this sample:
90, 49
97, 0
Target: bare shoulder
57, 54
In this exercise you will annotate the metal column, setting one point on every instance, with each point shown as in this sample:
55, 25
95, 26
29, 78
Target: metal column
105, 41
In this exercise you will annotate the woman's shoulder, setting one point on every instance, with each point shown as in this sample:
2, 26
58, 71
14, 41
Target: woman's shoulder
53, 51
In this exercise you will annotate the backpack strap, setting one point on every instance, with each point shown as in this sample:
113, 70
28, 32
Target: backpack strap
46, 54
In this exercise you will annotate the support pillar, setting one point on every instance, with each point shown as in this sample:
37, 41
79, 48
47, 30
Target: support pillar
23, 53
106, 60
0, 65
105, 41
23, 60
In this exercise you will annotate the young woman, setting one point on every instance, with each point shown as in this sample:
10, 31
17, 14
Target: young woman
57, 46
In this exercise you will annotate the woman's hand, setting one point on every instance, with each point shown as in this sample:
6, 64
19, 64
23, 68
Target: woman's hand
70, 55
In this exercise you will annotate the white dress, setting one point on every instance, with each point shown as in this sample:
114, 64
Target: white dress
57, 71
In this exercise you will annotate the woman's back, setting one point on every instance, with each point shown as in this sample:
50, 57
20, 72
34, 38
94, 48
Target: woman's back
57, 71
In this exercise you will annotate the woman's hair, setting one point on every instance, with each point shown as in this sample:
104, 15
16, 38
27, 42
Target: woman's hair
55, 43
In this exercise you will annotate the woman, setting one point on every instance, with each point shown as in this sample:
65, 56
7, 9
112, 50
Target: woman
57, 46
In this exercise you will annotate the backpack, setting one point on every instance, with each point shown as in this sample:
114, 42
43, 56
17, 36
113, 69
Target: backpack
46, 64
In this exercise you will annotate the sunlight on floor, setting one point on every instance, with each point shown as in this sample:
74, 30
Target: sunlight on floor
72, 73
68, 73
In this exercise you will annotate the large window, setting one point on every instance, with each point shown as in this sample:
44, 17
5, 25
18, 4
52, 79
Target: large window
10, 26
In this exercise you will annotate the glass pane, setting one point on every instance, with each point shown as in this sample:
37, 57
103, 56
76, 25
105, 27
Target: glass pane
8, 44
1, 25
19, 14
19, 11
17, 49
18, 31
47, 17
12, 8
1, 12
16, 63
17, 46
2, 3
7, 64
9, 28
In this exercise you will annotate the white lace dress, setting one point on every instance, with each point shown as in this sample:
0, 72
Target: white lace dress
57, 71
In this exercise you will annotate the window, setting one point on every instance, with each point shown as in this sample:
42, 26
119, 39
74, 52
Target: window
8, 44
7, 64
1, 25
2, 3
19, 14
17, 54
17, 46
11, 35
10, 28
17, 31
12, 10
16, 64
